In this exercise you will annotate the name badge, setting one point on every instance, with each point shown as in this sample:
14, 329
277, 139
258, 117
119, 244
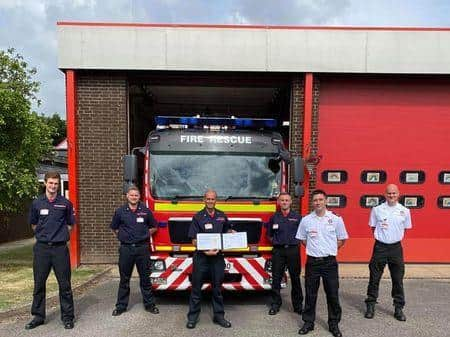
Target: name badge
140, 220
384, 225
330, 228
313, 234
275, 226
44, 211
208, 226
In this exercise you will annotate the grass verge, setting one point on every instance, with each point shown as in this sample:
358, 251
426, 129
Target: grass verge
16, 277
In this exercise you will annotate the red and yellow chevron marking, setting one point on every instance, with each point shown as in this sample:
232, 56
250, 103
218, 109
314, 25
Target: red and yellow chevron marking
176, 275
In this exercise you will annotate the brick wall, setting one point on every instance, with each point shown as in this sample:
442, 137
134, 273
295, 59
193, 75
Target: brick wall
102, 141
314, 136
296, 128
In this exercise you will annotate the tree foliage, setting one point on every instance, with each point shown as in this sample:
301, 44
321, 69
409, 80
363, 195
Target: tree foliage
57, 126
24, 138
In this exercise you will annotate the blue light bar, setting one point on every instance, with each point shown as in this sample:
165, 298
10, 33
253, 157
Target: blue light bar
243, 123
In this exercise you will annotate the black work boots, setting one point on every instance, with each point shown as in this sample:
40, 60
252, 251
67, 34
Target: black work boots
370, 310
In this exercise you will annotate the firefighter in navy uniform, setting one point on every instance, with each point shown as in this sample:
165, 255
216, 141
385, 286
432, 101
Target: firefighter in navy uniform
281, 230
133, 223
208, 264
323, 233
388, 222
51, 218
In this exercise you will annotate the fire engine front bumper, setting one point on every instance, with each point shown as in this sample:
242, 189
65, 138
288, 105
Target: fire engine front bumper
241, 273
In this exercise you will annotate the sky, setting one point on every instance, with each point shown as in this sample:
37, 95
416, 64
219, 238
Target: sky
29, 26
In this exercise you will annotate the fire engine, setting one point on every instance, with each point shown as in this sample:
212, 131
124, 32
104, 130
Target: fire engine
244, 160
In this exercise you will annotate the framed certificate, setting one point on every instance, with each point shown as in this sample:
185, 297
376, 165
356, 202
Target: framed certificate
234, 240
208, 241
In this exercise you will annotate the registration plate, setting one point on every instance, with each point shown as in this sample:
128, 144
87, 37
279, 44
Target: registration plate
228, 266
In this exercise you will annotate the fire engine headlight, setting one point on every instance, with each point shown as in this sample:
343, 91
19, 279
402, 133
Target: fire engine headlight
268, 266
157, 265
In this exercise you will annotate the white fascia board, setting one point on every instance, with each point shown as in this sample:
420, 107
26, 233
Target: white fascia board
416, 52
254, 49
317, 51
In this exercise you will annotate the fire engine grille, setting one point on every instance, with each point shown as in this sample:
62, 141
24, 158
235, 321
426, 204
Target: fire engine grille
178, 230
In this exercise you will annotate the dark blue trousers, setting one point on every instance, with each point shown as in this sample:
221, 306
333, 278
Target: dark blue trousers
392, 255
289, 257
327, 269
46, 257
130, 255
210, 269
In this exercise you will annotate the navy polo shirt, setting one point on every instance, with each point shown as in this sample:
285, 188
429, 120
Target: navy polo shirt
202, 222
133, 226
282, 229
51, 218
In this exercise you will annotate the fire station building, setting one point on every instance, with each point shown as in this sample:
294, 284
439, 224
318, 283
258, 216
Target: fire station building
363, 106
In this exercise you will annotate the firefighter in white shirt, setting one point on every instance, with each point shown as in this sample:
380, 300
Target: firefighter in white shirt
323, 233
388, 222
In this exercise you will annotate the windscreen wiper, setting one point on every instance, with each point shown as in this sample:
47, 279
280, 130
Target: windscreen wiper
183, 197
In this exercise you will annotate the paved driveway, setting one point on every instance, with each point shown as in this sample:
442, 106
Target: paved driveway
428, 314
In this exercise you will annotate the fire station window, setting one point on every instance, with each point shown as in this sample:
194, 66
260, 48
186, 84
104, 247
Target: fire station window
444, 177
412, 177
444, 201
369, 201
336, 201
334, 177
373, 177
412, 201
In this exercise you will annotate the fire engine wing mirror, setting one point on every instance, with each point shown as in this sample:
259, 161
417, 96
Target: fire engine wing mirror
138, 150
130, 171
299, 191
299, 170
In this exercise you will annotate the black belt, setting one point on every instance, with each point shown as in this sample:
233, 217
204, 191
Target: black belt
388, 244
321, 258
284, 246
134, 244
53, 244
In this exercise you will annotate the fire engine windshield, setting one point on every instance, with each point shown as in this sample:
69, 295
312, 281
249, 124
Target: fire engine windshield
236, 176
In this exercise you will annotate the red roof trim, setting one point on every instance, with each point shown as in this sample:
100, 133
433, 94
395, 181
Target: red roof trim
185, 25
